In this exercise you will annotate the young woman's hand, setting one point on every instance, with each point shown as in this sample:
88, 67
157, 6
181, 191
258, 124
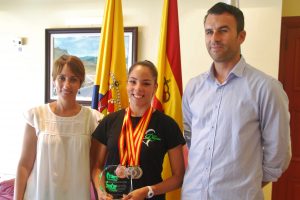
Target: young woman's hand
138, 194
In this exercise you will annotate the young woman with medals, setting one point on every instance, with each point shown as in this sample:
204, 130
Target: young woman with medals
128, 146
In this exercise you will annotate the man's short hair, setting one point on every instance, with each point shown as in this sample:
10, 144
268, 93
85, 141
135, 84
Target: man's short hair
220, 8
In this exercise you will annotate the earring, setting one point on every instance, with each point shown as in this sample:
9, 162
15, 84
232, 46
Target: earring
54, 91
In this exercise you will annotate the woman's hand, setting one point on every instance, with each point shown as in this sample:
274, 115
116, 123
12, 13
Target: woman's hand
104, 196
138, 194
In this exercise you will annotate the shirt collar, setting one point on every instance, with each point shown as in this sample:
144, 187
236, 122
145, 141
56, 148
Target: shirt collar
237, 70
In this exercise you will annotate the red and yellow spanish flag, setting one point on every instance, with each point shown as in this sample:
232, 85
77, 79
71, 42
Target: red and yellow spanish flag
169, 92
109, 92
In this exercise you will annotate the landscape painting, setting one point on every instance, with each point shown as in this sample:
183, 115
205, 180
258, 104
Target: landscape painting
83, 43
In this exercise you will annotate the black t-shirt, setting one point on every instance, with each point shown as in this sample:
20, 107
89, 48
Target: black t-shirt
162, 134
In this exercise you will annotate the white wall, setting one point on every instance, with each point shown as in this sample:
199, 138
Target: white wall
22, 73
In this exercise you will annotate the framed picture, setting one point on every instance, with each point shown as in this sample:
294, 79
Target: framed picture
83, 43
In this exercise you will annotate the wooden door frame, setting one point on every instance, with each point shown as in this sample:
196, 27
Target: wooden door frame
286, 24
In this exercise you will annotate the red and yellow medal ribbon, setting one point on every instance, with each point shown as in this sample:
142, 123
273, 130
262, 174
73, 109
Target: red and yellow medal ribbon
130, 141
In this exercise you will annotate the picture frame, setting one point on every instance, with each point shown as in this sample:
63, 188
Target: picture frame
83, 43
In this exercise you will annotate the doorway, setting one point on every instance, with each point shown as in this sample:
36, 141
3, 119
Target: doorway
288, 186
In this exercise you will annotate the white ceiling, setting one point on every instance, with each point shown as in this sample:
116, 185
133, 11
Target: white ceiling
198, 3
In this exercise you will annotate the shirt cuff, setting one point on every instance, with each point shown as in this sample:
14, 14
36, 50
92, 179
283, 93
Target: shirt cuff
271, 174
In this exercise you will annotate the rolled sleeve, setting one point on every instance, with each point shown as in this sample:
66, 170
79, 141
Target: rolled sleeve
276, 133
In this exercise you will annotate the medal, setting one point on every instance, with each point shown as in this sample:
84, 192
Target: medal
121, 171
134, 172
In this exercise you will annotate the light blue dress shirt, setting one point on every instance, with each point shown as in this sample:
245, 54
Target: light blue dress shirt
239, 134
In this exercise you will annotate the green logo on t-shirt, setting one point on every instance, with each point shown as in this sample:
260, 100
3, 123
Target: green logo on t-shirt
150, 136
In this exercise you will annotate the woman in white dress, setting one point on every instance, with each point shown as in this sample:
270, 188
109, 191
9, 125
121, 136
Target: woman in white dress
54, 163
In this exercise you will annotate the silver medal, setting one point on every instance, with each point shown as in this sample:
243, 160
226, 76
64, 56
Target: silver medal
134, 172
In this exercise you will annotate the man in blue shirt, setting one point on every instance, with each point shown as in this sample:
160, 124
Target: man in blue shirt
236, 119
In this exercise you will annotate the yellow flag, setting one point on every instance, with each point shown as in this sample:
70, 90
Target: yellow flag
109, 92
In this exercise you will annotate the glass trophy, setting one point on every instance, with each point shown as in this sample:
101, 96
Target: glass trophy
118, 179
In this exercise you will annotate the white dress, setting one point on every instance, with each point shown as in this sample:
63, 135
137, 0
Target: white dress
62, 166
